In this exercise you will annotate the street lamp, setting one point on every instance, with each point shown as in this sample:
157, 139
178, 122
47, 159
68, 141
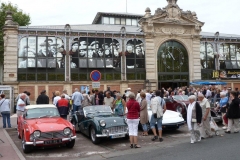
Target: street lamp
216, 53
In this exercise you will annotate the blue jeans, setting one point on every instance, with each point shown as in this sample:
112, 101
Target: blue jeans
153, 122
77, 108
6, 117
144, 127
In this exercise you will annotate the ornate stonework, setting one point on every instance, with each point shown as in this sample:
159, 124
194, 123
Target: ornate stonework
171, 23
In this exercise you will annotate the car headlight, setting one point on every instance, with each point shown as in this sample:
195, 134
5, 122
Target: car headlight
67, 131
179, 109
125, 120
36, 134
102, 123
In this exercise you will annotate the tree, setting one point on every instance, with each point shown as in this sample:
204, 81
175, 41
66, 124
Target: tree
18, 16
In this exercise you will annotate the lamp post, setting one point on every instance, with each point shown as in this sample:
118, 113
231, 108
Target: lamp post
216, 55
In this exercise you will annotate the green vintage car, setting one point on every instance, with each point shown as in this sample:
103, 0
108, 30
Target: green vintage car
98, 122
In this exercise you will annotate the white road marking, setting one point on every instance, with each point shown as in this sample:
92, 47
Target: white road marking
13, 116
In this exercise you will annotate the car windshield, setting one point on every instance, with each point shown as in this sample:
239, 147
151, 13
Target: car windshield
41, 112
181, 97
97, 109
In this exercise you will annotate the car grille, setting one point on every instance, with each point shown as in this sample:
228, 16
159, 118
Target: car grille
52, 135
117, 129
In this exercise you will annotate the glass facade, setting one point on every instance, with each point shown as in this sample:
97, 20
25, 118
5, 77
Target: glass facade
88, 54
135, 60
118, 21
228, 57
44, 59
41, 58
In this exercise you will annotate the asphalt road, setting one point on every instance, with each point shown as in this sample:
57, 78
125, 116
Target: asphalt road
224, 147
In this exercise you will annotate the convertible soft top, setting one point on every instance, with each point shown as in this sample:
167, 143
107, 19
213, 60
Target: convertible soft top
40, 106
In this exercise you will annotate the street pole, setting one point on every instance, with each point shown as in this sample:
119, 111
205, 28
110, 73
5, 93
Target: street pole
216, 54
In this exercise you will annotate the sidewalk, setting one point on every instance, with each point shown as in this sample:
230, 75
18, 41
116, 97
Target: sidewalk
8, 150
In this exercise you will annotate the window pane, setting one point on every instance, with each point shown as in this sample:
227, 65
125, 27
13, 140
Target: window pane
105, 20
111, 20
123, 21
134, 22
128, 21
117, 20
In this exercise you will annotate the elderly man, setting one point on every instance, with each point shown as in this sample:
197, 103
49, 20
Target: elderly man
63, 106
77, 99
223, 107
108, 100
205, 116
194, 118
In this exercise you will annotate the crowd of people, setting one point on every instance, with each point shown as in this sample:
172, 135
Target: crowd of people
135, 108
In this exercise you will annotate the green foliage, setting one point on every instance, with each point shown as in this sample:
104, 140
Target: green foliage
18, 16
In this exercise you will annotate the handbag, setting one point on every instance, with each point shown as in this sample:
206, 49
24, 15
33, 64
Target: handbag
155, 115
194, 120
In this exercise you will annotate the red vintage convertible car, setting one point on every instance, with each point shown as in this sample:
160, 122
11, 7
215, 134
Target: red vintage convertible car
41, 125
178, 103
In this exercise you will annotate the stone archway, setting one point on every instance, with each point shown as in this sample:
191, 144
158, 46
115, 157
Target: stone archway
172, 65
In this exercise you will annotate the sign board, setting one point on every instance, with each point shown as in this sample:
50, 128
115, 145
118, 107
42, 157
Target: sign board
95, 84
95, 76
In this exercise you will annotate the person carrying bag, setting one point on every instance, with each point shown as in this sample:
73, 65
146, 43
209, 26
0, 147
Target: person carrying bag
158, 107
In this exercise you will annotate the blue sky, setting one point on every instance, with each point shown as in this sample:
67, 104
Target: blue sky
218, 15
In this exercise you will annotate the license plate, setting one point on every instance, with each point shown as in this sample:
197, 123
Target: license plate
55, 141
118, 136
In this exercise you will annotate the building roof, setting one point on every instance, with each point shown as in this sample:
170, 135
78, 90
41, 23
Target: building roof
121, 14
87, 28
221, 35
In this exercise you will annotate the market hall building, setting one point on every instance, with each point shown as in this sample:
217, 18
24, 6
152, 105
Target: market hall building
165, 48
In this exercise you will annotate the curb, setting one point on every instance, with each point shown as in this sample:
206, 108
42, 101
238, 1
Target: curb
21, 157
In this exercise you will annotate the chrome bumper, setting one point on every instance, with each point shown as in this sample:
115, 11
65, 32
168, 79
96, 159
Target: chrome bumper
42, 142
109, 135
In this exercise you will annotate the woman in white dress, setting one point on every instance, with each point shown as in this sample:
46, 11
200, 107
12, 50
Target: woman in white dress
194, 118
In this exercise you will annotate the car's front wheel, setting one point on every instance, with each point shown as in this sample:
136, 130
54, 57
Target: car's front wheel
26, 148
71, 144
94, 138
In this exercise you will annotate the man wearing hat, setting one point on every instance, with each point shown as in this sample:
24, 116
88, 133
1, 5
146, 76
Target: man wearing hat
129, 56
127, 93
30, 61
75, 53
95, 47
43, 98
44, 53
107, 50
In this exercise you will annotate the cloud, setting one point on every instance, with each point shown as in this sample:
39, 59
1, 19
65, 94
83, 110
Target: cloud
217, 15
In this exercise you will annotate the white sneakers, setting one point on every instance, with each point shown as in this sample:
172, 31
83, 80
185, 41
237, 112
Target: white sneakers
199, 139
224, 128
192, 141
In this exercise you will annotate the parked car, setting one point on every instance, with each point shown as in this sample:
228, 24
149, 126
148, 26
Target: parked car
171, 120
178, 103
98, 122
41, 125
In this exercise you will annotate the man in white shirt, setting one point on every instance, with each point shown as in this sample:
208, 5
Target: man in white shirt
138, 97
66, 95
21, 104
77, 99
108, 100
206, 115
208, 93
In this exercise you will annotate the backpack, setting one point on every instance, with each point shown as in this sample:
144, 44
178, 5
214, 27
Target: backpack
119, 109
156, 101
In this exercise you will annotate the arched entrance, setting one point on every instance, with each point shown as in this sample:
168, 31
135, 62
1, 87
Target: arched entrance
173, 66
